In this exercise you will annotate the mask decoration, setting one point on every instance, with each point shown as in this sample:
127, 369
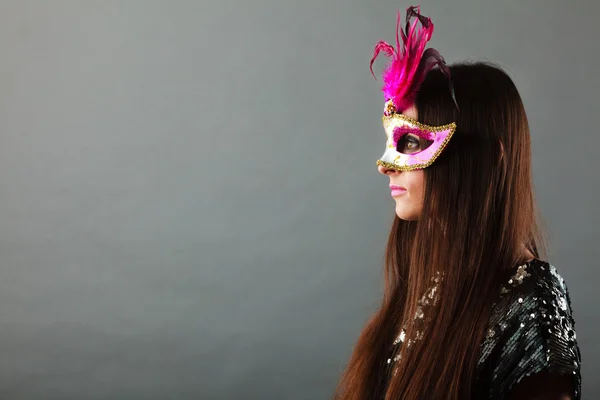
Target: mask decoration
410, 144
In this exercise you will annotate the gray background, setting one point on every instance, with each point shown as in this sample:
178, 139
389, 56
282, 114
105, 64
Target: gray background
190, 206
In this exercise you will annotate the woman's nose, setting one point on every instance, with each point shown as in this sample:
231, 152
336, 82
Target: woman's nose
385, 170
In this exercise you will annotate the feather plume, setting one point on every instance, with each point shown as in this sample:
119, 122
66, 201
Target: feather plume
410, 62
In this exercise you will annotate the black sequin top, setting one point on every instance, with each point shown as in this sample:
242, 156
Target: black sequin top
531, 330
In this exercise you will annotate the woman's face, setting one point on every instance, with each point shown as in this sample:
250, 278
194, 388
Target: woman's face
407, 187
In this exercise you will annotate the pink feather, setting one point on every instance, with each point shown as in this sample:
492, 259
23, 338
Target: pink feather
410, 62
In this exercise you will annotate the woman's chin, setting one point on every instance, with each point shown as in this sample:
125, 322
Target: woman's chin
406, 214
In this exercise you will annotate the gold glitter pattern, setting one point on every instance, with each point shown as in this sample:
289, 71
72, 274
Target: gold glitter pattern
397, 119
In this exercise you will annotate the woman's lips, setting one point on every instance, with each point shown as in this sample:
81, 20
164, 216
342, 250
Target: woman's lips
397, 190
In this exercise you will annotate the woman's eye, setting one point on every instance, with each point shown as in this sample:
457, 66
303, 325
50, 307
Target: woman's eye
409, 144
412, 143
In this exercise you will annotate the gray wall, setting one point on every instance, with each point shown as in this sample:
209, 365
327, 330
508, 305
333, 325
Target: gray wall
190, 206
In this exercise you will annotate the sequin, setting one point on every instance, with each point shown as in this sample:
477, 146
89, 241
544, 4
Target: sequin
521, 273
539, 333
400, 337
429, 299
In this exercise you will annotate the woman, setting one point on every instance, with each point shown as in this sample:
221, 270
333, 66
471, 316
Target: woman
470, 310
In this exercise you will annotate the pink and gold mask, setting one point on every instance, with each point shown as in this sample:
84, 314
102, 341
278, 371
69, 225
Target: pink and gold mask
411, 145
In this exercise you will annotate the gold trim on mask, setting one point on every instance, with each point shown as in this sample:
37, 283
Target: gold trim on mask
388, 119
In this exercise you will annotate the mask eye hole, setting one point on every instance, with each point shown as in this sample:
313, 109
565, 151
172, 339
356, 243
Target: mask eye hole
410, 143
411, 140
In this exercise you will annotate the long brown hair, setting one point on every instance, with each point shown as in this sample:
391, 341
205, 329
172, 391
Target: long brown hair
478, 220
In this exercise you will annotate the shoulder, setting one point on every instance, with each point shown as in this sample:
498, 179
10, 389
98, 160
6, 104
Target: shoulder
531, 331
